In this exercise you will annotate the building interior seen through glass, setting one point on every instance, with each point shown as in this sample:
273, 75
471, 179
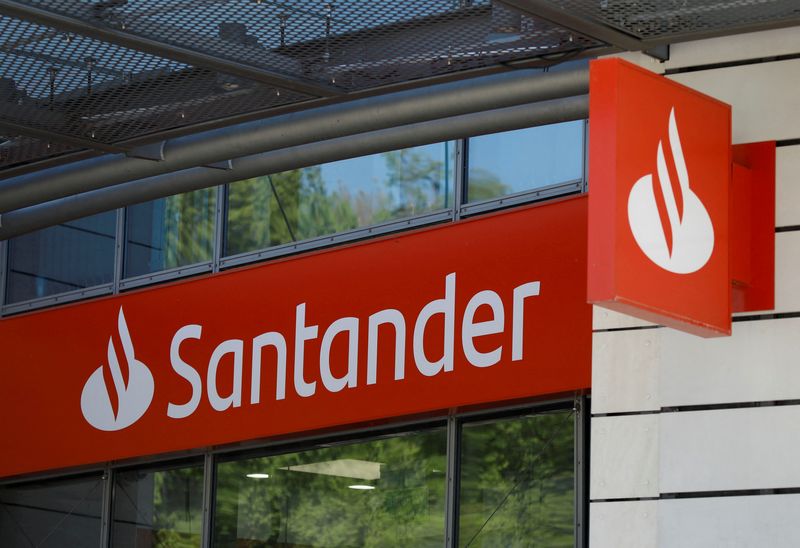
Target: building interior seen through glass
512, 479
61, 258
158, 507
53, 513
284, 208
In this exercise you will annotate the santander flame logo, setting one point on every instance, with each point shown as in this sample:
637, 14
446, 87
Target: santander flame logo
684, 243
132, 397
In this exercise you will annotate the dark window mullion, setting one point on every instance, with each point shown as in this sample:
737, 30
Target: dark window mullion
453, 481
461, 181
106, 515
3, 268
209, 496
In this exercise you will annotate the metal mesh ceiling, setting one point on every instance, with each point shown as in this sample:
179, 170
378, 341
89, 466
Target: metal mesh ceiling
108, 75
92, 94
659, 19
348, 45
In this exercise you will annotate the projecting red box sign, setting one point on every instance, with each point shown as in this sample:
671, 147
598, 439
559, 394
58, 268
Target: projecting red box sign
479, 311
659, 178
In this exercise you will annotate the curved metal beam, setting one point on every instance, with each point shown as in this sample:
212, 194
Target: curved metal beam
297, 128
32, 218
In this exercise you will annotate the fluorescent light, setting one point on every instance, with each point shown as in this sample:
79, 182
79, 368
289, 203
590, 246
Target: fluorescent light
362, 487
258, 475
344, 468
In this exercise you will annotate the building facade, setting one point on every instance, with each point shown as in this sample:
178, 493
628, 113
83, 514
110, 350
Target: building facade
679, 441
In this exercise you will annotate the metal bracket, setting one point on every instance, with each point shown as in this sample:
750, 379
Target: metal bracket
660, 53
224, 165
153, 151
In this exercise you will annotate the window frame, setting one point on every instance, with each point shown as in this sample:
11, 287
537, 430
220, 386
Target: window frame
89, 473
459, 209
157, 465
107, 288
453, 423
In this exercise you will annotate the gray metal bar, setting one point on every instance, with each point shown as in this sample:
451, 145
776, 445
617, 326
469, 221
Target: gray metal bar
524, 197
120, 245
461, 179
3, 271
163, 49
165, 275
371, 231
73, 207
106, 515
60, 298
582, 426
209, 485
453, 481
297, 128
585, 156
548, 10
219, 226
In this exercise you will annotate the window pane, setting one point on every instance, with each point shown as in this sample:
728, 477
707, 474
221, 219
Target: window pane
321, 200
158, 508
387, 492
170, 232
62, 258
526, 159
51, 514
517, 482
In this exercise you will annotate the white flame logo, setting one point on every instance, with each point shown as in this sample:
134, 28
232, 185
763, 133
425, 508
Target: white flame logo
133, 398
686, 244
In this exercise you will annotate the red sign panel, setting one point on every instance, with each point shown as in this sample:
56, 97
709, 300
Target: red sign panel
478, 311
659, 177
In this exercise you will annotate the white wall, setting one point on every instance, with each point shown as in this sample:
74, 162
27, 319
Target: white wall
664, 472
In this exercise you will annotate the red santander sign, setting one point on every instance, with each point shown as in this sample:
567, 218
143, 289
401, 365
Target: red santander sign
478, 311
659, 178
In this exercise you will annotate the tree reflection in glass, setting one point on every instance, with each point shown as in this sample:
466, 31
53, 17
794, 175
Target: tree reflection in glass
517, 482
321, 200
382, 493
170, 232
526, 159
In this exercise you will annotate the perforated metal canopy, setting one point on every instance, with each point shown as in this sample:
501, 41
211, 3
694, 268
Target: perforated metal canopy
84, 77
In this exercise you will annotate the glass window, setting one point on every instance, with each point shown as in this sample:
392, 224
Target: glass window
158, 508
384, 492
515, 161
51, 514
316, 201
170, 232
517, 482
61, 258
